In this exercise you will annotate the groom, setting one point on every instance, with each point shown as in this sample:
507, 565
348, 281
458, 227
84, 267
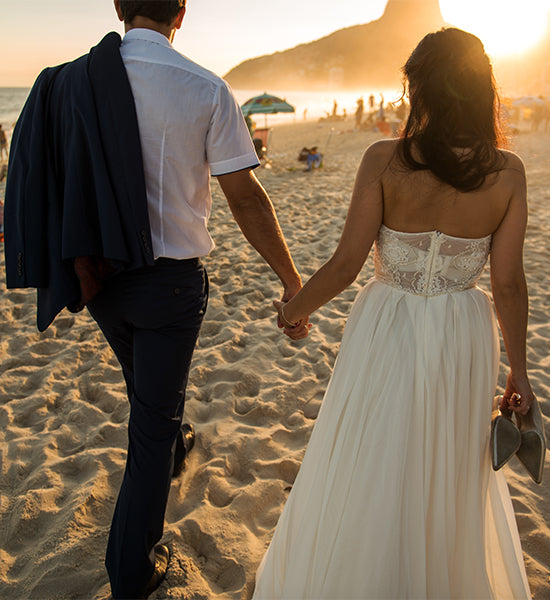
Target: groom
135, 129
190, 125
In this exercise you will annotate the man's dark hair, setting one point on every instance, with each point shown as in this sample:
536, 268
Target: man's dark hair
161, 11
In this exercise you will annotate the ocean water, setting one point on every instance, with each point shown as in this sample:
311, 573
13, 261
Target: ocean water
11, 103
311, 104
318, 103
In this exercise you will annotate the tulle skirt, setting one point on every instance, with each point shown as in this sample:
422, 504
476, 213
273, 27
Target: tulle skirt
396, 496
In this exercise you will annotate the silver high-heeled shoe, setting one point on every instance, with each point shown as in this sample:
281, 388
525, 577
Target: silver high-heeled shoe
505, 436
532, 450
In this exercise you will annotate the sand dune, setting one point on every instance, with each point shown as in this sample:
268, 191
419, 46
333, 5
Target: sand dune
253, 396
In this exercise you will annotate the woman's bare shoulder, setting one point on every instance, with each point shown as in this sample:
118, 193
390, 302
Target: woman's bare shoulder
513, 162
383, 149
511, 175
378, 156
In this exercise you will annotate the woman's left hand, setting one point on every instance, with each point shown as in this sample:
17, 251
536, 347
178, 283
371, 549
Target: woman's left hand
518, 395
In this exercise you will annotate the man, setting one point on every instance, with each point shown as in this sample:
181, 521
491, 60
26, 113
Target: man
189, 125
150, 310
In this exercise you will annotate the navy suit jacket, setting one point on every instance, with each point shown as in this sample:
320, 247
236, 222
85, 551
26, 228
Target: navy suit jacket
75, 186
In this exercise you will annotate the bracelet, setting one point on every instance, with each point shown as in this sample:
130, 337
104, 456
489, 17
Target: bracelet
285, 321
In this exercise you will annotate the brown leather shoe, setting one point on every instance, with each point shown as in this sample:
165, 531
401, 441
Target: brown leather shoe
162, 556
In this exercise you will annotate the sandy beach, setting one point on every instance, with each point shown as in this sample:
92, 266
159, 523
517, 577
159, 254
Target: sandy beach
253, 397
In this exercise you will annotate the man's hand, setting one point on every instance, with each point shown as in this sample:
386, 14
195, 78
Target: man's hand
291, 291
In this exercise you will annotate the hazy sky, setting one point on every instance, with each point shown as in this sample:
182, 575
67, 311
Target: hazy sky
221, 33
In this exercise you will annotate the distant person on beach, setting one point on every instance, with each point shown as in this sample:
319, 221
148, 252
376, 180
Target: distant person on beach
537, 115
3, 143
359, 113
380, 115
313, 158
371, 102
151, 300
396, 496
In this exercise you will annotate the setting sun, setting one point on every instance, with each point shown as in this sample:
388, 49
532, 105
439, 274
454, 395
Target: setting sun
506, 27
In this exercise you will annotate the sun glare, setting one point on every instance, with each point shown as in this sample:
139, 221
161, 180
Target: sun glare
506, 27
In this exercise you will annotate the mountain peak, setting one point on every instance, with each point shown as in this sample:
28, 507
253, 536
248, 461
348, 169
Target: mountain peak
361, 55
427, 10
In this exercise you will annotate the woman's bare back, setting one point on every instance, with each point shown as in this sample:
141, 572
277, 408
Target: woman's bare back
417, 201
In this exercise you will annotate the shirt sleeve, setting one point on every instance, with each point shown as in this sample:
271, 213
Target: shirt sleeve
229, 147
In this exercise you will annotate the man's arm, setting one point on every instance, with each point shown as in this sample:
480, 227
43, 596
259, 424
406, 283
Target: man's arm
255, 215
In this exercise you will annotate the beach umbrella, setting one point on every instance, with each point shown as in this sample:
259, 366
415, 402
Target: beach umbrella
266, 104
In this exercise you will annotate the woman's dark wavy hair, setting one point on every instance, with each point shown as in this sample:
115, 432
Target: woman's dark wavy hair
453, 103
161, 11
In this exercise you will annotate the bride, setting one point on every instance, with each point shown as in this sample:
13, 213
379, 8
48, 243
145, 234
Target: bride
396, 497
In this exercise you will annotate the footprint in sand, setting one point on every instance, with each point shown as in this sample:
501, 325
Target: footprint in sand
231, 353
210, 328
525, 523
249, 386
219, 492
62, 325
285, 470
48, 347
26, 522
222, 573
68, 440
242, 406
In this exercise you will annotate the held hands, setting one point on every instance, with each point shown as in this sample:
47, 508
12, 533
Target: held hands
295, 331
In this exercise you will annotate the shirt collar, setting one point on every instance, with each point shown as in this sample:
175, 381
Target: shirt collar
148, 35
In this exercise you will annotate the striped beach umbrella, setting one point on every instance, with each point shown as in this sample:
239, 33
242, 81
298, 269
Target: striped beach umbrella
266, 104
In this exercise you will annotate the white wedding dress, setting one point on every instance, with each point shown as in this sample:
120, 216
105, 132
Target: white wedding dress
396, 497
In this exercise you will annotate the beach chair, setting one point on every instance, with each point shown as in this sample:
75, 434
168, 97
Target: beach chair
261, 140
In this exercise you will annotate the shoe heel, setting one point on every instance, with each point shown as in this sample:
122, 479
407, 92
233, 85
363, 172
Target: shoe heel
532, 450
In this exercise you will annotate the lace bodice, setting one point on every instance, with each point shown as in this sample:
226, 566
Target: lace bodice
429, 263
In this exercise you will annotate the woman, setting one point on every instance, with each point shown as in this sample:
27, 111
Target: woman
396, 497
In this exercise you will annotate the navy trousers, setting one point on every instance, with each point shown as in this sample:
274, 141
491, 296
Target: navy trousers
151, 318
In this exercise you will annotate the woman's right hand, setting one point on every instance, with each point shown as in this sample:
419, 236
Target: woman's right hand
518, 395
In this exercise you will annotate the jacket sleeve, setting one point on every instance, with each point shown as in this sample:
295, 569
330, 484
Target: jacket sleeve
27, 187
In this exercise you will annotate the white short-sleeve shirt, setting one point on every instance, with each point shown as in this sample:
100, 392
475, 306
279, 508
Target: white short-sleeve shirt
190, 126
